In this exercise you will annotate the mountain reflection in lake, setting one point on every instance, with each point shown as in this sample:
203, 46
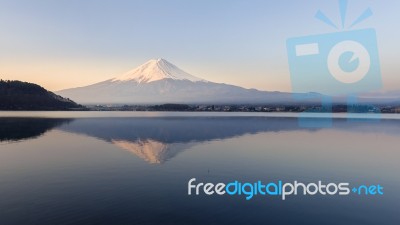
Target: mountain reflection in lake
157, 140
135, 170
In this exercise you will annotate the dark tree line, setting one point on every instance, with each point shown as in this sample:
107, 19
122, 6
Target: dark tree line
17, 95
170, 107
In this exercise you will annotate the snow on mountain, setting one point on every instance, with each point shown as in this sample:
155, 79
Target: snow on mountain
153, 152
156, 69
159, 81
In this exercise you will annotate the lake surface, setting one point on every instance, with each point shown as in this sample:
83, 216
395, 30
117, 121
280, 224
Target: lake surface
133, 168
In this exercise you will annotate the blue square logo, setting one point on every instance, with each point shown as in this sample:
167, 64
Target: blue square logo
335, 64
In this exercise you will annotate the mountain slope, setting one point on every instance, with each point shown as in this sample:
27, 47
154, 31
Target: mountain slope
158, 81
154, 70
382, 97
17, 95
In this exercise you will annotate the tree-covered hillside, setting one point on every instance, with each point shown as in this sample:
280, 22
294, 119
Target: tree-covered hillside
17, 95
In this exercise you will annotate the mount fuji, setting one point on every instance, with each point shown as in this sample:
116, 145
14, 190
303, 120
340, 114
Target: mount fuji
159, 81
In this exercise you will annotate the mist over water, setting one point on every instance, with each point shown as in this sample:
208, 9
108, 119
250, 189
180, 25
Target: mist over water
134, 170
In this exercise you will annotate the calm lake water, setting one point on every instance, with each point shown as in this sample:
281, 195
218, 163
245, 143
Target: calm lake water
133, 168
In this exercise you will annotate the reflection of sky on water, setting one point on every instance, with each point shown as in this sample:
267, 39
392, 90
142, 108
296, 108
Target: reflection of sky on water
158, 139
84, 172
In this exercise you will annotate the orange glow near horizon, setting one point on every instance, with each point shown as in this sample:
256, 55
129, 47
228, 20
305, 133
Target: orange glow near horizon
57, 75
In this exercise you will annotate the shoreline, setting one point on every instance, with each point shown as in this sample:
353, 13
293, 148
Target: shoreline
148, 114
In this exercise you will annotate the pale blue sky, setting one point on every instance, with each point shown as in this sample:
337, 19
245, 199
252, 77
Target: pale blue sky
68, 43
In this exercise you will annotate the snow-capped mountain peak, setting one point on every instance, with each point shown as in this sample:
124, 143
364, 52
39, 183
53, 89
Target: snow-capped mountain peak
156, 69
158, 81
